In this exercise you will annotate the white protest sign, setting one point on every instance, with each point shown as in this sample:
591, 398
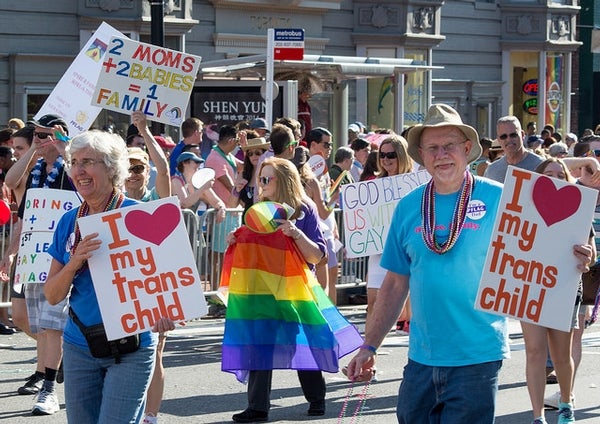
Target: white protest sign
42, 210
530, 271
368, 207
144, 269
138, 76
71, 97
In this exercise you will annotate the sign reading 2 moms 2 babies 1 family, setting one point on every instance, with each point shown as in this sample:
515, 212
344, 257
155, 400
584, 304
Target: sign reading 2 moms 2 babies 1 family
43, 209
530, 271
144, 269
368, 207
153, 79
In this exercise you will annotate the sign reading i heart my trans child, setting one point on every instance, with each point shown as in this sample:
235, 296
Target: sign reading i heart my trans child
530, 270
368, 207
139, 76
144, 269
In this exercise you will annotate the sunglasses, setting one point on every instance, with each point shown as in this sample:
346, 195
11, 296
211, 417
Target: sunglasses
265, 180
42, 135
327, 144
511, 135
137, 169
254, 153
389, 155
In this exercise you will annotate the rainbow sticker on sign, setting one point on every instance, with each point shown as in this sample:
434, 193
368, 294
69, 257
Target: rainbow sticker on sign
261, 216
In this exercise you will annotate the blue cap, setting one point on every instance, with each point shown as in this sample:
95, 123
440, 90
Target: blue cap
189, 156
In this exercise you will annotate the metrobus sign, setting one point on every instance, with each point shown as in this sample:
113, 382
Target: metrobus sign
288, 44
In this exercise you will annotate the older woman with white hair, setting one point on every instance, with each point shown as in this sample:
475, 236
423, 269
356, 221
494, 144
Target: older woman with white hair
97, 389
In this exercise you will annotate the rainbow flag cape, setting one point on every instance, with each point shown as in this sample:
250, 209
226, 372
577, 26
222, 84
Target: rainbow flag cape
278, 316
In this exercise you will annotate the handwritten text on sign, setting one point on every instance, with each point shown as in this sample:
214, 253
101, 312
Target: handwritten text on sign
368, 207
43, 209
145, 268
139, 76
530, 271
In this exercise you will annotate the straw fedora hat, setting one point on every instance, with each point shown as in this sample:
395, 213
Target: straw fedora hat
441, 115
256, 143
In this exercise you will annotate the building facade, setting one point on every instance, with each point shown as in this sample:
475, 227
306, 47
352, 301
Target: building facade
488, 58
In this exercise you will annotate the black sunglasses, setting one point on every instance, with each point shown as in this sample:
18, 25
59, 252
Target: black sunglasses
389, 155
511, 135
42, 135
137, 169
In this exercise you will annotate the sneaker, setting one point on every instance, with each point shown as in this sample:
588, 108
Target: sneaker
47, 403
565, 414
32, 386
539, 421
251, 416
553, 400
150, 419
316, 409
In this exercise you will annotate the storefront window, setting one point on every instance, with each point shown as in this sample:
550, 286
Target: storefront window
415, 92
556, 106
524, 83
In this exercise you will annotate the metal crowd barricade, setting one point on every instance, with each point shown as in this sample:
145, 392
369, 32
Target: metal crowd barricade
5, 232
207, 241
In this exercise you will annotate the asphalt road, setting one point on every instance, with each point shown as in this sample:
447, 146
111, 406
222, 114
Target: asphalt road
197, 391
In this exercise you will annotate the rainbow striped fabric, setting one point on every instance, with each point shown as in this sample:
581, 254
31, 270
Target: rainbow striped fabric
278, 316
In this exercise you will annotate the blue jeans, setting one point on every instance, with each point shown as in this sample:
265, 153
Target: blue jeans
436, 395
98, 391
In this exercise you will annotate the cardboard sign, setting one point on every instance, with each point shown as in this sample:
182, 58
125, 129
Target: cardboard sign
43, 209
144, 269
530, 271
71, 97
368, 207
138, 76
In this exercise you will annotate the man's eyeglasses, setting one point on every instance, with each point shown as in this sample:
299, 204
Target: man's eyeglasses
83, 163
137, 169
448, 148
42, 135
511, 135
389, 155
265, 180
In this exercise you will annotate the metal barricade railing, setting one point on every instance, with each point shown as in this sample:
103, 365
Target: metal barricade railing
207, 239
5, 234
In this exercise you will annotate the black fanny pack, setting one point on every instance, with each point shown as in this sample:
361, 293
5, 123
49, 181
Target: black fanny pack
100, 347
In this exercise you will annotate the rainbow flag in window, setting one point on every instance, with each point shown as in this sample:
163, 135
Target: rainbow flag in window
278, 316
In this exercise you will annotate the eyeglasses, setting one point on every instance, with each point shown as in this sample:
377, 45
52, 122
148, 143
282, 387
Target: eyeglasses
254, 153
137, 169
83, 163
265, 180
327, 144
511, 135
42, 135
448, 148
389, 155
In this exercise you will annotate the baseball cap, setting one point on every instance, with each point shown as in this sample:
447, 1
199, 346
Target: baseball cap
163, 142
189, 156
132, 131
259, 124
49, 121
135, 153
354, 128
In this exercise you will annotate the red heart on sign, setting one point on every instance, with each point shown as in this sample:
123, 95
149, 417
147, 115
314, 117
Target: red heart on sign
555, 205
155, 227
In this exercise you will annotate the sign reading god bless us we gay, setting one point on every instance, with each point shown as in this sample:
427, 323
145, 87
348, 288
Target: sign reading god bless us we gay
530, 271
139, 76
144, 269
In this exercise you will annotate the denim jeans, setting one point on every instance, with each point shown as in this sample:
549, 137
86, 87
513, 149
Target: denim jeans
448, 395
98, 391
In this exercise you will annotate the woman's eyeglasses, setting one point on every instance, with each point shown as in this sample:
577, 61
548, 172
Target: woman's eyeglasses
389, 155
137, 169
265, 180
83, 163
254, 153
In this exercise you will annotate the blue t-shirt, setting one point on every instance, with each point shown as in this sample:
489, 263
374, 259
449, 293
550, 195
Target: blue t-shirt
83, 298
174, 155
445, 328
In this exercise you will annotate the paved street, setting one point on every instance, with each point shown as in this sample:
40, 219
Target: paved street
198, 392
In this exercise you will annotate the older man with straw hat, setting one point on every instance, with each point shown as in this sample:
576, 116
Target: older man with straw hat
436, 247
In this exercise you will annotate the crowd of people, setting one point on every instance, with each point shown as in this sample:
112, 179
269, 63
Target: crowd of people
286, 162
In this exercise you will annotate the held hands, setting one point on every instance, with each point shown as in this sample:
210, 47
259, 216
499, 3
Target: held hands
361, 367
289, 229
584, 253
85, 249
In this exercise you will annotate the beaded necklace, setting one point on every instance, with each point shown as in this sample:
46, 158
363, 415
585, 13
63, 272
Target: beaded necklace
113, 202
458, 215
36, 172
362, 398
